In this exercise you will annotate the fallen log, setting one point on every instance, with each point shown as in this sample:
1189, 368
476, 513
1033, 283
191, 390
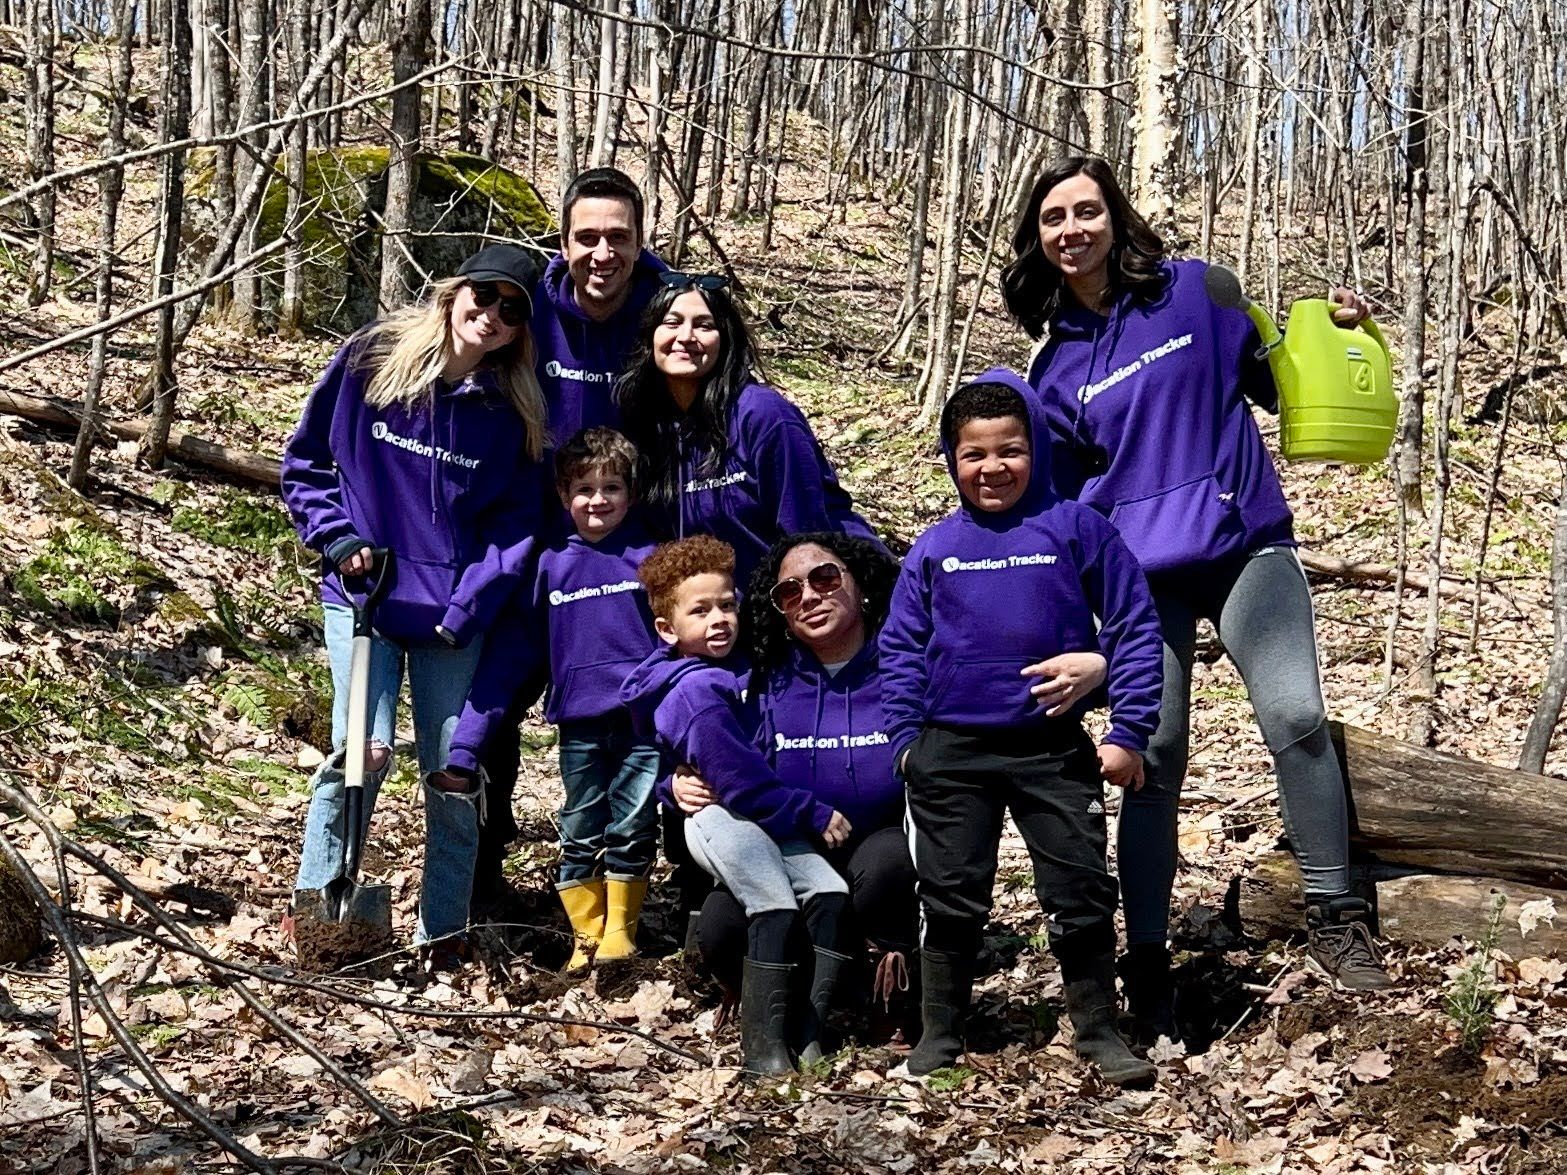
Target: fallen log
192, 450
1442, 813
1413, 909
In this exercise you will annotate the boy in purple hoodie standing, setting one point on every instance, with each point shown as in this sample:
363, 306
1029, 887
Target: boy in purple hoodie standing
590, 611
585, 314
1013, 577
761, 837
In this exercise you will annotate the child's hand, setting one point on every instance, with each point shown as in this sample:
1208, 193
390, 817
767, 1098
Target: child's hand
838, 830
1068, 679
1121, 767
690, 792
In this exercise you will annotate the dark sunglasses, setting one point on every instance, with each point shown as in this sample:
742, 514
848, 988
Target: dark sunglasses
515, 310
675, 280
786, 594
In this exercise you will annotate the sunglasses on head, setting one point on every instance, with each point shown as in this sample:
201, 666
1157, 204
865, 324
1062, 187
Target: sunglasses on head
676, 280
786, 594
515, 308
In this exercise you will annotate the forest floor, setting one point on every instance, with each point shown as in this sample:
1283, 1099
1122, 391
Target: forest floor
164, 698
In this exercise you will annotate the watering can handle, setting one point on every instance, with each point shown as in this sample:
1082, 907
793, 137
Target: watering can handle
1369, 325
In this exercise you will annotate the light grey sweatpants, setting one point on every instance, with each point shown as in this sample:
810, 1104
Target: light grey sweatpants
1261, 608
762, 873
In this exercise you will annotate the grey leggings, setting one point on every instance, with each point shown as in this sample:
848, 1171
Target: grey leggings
1261, 607
762, 874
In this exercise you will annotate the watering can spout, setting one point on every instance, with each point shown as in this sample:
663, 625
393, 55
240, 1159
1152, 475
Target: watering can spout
1335, 384
1224, 288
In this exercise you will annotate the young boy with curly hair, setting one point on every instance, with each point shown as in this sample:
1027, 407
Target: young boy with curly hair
761, 839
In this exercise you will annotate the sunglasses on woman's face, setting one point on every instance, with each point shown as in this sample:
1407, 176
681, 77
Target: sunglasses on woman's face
515, 308
676, 280
824, 579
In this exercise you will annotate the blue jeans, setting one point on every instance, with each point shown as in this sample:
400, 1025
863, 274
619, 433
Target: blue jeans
438, 680
609, 822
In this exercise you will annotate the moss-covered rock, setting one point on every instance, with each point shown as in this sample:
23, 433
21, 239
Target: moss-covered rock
461, 200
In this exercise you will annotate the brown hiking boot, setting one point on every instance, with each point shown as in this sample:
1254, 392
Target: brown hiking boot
1340, 944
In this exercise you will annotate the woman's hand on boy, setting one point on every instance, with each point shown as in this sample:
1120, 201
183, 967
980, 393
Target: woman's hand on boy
1121, 767
1068, 679
837, 830
689, 791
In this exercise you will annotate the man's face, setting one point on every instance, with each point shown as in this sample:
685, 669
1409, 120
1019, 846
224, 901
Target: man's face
601, 245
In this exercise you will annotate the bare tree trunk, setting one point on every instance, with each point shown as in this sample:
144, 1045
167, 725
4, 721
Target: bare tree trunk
291, 311
1411, 424
245, 310
603, 97
110, 185
40, 140
174, 65
1157, 112
410, 55
1548, 711
565, 100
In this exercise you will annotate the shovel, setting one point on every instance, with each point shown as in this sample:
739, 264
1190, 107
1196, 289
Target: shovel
344, 922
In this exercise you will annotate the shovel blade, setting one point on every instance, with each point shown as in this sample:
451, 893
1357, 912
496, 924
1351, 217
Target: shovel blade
342, 926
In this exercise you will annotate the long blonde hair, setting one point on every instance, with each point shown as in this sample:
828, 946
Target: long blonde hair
408, 349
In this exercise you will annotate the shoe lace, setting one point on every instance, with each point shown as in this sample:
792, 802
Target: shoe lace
1351, 945
892, 977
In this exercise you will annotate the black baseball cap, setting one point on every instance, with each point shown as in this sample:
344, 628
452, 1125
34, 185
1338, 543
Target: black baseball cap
502, 263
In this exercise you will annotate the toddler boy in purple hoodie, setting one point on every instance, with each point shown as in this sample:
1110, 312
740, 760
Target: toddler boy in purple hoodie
1013, 577
589, 610
761, 838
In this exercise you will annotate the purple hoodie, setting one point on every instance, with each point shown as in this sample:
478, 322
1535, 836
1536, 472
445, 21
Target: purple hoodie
981, 595
579, 358
698, 713
590, 610
447, 486
826, 733
774, 481
1151, 428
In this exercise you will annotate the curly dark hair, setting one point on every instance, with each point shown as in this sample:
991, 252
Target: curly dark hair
979, 401
873, 569
1032, 287
671, 564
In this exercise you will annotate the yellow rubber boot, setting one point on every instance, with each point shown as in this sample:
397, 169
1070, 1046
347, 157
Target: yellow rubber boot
623, 897
584, 902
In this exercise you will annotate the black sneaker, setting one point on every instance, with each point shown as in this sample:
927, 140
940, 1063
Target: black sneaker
1340, 946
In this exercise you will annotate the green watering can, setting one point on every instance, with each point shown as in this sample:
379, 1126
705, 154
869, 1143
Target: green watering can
1336, 399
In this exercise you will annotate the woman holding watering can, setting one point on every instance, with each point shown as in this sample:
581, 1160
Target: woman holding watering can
424, 438
1146, 381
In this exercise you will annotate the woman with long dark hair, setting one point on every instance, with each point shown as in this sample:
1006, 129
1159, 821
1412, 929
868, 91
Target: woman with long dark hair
1145, 381
721, 452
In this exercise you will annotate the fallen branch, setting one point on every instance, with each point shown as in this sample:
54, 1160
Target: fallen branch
1356, 571
239, 463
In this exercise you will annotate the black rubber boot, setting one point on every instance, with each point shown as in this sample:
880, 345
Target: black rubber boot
1090, 1002
811, 1023
946, 985
1150, 993
764, 1018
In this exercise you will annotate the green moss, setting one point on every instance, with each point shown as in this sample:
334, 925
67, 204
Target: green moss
73, 573
241, 522
509, 194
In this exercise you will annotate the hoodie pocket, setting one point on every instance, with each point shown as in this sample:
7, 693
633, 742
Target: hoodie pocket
590, 689
416, 601
1194, 522
983, 691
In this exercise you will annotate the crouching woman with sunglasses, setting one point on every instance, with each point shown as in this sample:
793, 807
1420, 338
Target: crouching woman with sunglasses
423, 437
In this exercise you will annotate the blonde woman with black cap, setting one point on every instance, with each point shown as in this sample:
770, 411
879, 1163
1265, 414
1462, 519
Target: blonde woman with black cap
424, 437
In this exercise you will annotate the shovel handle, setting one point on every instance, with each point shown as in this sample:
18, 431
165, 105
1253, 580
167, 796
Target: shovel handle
370, 587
